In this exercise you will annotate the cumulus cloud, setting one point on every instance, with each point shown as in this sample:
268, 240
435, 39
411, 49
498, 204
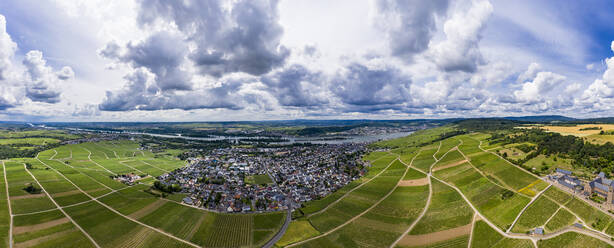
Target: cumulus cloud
141, 93
42, 82
378, 88
7, 49
296, 86
460, 50
237, 36
542, 84
602, 89
409, 25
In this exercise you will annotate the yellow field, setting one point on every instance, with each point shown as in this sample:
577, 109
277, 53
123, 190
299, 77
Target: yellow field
575, 130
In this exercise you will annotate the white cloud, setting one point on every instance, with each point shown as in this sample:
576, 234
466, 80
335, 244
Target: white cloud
542, 84
460, 50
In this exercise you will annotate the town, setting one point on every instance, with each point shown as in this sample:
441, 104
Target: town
266, 179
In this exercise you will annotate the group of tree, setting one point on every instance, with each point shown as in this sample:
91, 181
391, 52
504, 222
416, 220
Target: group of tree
598, 157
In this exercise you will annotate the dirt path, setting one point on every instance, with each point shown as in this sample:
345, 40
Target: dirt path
31, 228
430, 238
449, 165
357, 216
58, 206
117, 212
8, 199
351, 190
525, 208
56, 153
415, 182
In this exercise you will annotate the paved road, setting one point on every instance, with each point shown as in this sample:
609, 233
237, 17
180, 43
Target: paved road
281, 231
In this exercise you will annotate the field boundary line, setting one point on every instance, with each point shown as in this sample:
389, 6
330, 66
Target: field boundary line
357, 216
93, 179
154, 166
60, 208
525, 208
352, 190
54, 150
555, 212
505, 186
120, 214
8, 201
89, 157
122, 163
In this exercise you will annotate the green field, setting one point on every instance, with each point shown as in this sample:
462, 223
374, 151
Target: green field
485, 236
510, 175
425, 159
499, 205
561, 219
572, 239
535, 215
358, 200
380, 226
438, 217
258, 179
297, 231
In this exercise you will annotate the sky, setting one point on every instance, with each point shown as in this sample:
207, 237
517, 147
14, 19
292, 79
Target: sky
215, 60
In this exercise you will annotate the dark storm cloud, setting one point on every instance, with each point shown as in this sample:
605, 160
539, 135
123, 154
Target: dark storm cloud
410, 24
295, 86
242, 38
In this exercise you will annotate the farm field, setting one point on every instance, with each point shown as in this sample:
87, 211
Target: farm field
500, 205
488, 237
572, 239
438, 216
575, 130
510, 175
139, 219
359, 200
385, 208
380, 225
536, 215
425, 159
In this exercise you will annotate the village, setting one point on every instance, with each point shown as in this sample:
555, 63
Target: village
266, 179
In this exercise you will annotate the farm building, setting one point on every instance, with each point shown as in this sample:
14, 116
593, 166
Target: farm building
565, 178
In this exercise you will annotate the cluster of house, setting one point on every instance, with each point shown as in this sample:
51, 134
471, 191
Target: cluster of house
600, 185
129, 179
309, 173
217, 182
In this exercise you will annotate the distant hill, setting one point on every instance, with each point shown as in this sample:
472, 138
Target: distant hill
541, 118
